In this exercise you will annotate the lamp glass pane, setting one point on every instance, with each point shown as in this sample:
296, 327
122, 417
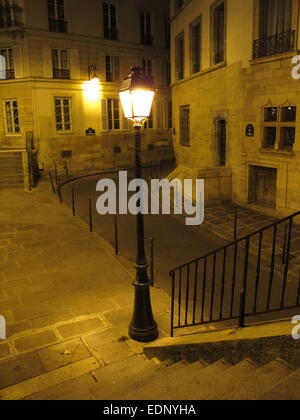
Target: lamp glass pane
125, 98
142, 102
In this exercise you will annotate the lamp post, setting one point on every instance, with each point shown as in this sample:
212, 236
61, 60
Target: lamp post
136, 95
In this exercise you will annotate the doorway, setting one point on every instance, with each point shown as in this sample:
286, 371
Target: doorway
221, 143
263, 185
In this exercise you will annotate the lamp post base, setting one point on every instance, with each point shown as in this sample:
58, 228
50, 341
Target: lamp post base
143, 327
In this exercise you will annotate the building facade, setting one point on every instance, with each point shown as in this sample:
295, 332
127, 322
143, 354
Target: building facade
65, 60
236, 99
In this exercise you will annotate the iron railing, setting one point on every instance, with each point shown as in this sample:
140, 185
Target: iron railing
58, 25
33, 163
250, 277
111, 34
61, 74
11, 15
275, 44
147, 39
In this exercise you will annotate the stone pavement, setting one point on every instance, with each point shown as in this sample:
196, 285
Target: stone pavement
66, 298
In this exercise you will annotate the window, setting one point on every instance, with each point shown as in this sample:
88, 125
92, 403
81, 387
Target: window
60, 62
110, 22
11, 117
63, 114
113, 110
195, 47
180, 56
146, 29
184, 125
221, 140
279, 128
7, 53
275, 28
56, 16
10, 14
147, 67
112, 65
218, 18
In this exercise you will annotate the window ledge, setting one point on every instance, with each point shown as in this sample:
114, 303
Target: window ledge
214, 67
62, 133
281, 153
276, 57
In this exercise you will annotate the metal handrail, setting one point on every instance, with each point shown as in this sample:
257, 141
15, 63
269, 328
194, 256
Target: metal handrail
111, 171
199, 280
236, 242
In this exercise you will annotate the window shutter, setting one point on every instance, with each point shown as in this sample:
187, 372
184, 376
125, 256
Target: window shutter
47, 62
124, 121
18, 62
104, 114
74, 64
116, 69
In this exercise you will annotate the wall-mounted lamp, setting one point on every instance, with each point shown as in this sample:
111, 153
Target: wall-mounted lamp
93, 74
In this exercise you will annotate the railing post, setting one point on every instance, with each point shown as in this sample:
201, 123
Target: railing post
91, 215
284, 256
152, 261
59, 192
287, 262
116, 235
52, 183
172, 303
242, 309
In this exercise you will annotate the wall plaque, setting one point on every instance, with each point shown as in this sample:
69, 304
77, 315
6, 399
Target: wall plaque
250, 130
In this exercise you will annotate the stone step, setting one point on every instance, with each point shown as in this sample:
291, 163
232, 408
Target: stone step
171, 384
224, 382
285, 390
113, 380
153, 382
258, 382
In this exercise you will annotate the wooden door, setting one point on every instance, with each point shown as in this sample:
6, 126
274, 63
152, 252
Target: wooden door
265, 187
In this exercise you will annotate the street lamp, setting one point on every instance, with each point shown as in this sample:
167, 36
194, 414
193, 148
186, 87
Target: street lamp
136, 95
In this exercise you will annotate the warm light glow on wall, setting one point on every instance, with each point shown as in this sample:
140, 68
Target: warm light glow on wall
92, 90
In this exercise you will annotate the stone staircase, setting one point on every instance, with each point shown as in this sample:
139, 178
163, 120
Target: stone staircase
11, 170
198, 381
256, 363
